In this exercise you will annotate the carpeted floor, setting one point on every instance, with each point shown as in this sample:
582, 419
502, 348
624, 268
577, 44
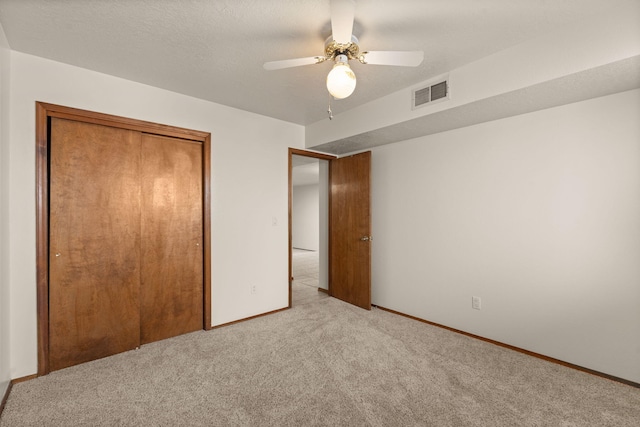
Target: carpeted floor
305, 274
305, 294
326, 363
305, 266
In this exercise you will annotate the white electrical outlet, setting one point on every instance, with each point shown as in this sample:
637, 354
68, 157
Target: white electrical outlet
253, 289
476, 303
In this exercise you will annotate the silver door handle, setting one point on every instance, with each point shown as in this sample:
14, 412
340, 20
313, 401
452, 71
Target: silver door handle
366, 238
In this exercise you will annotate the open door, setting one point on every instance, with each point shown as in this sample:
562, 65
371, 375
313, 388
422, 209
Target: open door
350, 229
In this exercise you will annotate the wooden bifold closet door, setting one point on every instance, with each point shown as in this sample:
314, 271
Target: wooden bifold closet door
125, 240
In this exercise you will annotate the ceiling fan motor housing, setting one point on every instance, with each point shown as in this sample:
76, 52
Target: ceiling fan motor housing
350, 50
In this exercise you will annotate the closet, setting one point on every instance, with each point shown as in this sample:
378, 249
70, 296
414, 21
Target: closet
125, 240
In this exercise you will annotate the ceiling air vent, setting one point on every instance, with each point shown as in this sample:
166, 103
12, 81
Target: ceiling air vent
430, 94
421, 96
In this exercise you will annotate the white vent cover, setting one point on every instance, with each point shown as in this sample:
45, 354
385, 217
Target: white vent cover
431, 93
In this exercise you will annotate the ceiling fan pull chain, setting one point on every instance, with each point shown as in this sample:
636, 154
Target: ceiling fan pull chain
329, 110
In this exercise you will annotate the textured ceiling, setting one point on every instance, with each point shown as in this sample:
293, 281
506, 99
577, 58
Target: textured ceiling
214, 49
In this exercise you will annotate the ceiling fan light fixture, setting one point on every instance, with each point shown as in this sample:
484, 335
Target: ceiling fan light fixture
341, 80
341, 47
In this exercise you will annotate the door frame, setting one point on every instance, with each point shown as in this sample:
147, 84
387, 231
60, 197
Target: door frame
44, 112
315, 155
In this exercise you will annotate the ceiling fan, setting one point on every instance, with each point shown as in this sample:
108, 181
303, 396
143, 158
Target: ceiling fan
341, 47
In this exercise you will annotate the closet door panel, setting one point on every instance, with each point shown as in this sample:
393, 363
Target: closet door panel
94, 242
171, 227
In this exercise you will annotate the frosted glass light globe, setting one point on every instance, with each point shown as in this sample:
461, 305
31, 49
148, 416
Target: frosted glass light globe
341, 80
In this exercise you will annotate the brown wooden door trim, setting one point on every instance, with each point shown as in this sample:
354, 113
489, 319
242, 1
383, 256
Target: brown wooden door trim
43, 112
304, 153
206, 225
42, 236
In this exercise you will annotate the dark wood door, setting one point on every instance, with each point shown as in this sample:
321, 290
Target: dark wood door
94, 242
171, 221
350, 230
125, 240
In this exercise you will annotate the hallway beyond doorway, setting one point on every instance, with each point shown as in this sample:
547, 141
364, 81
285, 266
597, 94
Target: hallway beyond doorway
305, 274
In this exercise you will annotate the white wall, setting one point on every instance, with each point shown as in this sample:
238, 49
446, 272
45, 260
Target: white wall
249, 188
305, 230
538, 214
5, 59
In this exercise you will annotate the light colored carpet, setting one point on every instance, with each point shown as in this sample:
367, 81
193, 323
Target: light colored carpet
326, 363
304, 294
305, 274
305, 266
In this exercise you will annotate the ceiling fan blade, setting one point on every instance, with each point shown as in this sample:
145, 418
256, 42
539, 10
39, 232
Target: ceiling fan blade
402, 58
288, 63
342, 16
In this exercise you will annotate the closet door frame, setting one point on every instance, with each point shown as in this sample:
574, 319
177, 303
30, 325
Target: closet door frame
44, 112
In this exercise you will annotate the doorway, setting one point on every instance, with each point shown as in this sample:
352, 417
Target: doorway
309, 227
348, 264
